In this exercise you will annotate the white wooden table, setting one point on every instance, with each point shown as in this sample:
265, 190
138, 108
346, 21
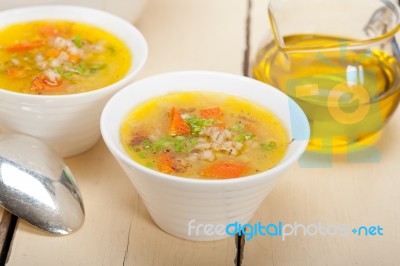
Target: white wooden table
211, 35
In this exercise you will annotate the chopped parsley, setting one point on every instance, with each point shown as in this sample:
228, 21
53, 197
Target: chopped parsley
85, 70
78, 41
150, 164
82, 69
242, 134
270, 146
197, 124
174, 143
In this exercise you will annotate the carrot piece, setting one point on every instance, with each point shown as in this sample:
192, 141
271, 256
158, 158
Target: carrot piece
178, 125
25, 46
165, 163
251, 128
40, 83
220, 125
15, 72
53, 52
48, 30
215, 113
225, 169
73, 58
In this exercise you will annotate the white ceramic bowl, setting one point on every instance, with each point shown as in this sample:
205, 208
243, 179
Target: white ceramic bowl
68, 123
183, 206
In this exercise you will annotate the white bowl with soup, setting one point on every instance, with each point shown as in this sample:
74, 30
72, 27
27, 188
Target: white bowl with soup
203, 149
58, 67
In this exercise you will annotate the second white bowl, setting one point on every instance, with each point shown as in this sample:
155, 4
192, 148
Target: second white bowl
184, 206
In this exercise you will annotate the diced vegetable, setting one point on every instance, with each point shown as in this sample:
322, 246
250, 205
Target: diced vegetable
78, 41
244, 136
15, 72
25, 46
251, 128
225, 169
220, 125
197, 124
178, 125
270, 146
150, 164
48, 30
241, 130
143, 155
41, 83
82, 69
138, 138
53, 52
169, 143
74, 58
165, 163
38, 84
238, 127
96, 67
214, 113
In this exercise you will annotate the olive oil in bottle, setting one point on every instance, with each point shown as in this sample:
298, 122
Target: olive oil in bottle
347, 94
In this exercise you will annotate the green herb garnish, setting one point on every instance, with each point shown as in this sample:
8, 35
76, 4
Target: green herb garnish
96, 67
244, 136
59, 70
143, 155
111, 49
85, 70
270, 146
82, 69
173, 143
150, 164
238, 128
146, 144
197, 124
63, 73
78, 41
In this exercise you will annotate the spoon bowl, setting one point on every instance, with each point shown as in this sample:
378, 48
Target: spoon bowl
37, 186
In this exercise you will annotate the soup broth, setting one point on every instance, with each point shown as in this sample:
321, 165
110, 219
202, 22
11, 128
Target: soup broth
204, 135
60, 57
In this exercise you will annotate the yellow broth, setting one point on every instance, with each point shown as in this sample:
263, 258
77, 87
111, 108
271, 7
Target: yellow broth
224, 136
60, 57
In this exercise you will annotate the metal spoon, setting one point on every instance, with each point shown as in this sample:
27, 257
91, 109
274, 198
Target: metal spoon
37, 186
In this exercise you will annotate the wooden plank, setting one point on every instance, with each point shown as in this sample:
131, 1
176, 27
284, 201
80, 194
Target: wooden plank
182, 35
8, 224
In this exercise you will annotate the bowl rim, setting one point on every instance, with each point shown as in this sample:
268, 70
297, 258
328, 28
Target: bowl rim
132, 72
121, 155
